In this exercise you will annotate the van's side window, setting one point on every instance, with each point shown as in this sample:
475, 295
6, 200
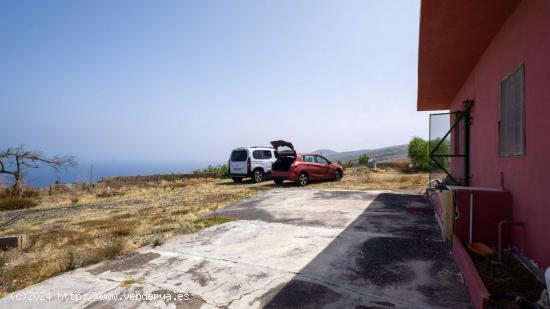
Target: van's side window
261, 154
257, 154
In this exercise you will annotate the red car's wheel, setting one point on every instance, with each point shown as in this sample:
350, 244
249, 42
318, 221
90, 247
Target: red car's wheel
338, 175
303, 179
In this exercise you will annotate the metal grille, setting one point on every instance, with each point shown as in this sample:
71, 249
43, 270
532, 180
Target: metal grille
512, 114
448, 147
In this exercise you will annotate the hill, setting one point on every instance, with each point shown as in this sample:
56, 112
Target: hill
398, 152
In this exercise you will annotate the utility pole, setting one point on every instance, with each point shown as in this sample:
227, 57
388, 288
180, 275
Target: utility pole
91, 175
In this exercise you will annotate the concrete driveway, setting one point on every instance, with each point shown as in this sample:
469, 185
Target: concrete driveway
290, 248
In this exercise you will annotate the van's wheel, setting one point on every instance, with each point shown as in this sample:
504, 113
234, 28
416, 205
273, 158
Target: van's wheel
338, 175
278, 180
303, 179
237, 179
258, 176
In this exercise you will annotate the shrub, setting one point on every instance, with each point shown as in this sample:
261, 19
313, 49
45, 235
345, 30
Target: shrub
182, 212
15, 203
111, 250
419, 154
363, 159
443, 149
210, 221
172, 177
348, 164
187, 228
162, 230
131, 281
157, 242
222, 170
79, 258
5, 192
122, 228
31, 193
3, 261
28, 193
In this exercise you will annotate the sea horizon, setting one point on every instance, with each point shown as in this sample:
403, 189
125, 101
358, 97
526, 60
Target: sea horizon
43, 177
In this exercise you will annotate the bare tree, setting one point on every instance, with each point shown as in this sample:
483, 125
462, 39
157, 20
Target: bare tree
13, 161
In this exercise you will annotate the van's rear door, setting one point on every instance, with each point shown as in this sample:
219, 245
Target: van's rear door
237, 162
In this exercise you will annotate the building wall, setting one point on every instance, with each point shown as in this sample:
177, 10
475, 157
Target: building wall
524, 38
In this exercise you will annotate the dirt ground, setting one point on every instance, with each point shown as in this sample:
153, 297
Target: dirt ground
287, 248
76, 229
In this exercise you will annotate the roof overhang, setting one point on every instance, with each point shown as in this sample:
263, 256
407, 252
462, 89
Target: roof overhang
453, 36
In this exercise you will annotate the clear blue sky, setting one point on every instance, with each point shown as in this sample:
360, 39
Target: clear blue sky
175, 81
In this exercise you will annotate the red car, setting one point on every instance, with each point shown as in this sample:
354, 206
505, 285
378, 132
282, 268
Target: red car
301, 167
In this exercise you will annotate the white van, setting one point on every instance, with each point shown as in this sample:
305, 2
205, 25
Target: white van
254, 162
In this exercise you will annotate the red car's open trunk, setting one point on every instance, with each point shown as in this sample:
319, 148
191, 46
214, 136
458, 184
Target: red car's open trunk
285, 153
283, 164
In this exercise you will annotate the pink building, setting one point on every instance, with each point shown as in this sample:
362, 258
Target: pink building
497, 54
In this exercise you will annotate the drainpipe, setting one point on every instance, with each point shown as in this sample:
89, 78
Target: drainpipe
467, 149
471, 217
547, 277
468, 105
502, 224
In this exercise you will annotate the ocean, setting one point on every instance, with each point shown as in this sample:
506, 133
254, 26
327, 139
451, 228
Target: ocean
42, 177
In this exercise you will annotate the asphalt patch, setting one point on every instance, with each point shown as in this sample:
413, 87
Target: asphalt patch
132, 261
255, 212
343, 195
383, 259
301, 294
399, 224
177, 300
392, 202
199, 273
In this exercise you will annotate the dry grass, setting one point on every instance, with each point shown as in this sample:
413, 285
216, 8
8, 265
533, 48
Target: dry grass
76, 229
14, 203
10, 201
363, 178
64, 234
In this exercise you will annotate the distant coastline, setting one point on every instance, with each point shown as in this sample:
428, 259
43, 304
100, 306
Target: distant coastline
43, 177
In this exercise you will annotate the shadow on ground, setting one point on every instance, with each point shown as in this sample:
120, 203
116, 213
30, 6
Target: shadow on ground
269, 184
391, 256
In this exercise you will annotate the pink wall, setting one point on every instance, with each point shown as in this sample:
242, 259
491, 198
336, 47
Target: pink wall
489, 209
524, 38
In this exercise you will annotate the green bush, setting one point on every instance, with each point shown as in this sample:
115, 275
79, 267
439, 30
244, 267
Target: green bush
172, 177
347, 164
14, 203
419, 153
364, 159
222, 170
444, 149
